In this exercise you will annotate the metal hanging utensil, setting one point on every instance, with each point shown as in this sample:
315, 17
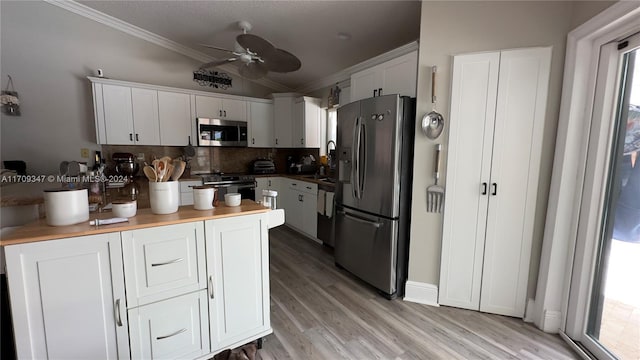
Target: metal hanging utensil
435, 192
433, 122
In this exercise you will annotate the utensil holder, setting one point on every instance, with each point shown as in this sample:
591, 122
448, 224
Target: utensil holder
164, 197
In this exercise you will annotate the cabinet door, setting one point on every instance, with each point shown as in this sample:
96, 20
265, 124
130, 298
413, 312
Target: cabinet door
262, 183
118, 114
517, 144
68, 298
175, 118
175, 328
145, 116
364, 82
163, 261
282, 120
399, 75
234, 109
311, 123
208, 107
261, 132
237, 250
297, 124
473, 99
310, 214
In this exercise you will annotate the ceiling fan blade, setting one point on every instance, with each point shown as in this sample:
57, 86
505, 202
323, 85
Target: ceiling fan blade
217, 63
280, 60
253, 70
254, 43
218, 48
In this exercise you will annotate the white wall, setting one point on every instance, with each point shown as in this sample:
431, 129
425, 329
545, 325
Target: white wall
48, 52
450, 28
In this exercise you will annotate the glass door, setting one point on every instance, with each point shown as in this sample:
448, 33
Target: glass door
612, 324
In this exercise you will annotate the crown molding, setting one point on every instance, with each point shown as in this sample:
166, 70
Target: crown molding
143, 34
345, 74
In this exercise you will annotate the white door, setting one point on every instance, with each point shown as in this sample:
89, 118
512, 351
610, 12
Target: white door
68, 298
234, 110
175, 118
237, 249
208, 107
118, 114
175, 328
399, 75
517, 144
261, 125
473, 99
163, 261
364, 82
145, 116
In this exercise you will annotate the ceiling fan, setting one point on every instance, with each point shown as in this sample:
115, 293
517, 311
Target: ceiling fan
255, 56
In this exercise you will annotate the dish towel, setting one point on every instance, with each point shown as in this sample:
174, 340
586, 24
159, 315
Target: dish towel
328, 211
321, 201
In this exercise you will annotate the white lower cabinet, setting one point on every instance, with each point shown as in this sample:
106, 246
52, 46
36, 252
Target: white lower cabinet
176, 328
68, 298
300, 201
238, 271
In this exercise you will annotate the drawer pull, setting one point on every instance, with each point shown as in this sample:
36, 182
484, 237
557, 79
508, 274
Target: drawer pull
170, 335
168, 262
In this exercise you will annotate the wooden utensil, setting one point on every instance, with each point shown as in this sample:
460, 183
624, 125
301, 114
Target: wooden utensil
150, 173
167, 175
178, 170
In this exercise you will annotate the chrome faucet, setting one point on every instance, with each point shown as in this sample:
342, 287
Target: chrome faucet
329, 143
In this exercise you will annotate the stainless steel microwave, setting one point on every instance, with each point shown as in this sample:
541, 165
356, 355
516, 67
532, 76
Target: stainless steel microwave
216, 132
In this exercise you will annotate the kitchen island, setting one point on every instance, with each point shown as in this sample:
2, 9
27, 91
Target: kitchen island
182, 285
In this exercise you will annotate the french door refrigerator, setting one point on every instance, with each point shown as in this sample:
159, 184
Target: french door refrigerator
373, 191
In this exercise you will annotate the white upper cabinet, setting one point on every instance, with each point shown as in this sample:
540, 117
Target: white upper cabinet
175, 118
116, 114
283, 119
396, 76
306, 122
261, 126
145, 116
221, 108
498, 103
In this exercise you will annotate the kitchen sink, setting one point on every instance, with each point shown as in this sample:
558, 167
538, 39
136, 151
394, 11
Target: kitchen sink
319, 178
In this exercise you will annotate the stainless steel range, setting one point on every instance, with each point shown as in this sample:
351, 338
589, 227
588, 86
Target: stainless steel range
232, 183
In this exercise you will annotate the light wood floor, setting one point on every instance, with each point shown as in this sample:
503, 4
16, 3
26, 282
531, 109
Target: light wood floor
321, 312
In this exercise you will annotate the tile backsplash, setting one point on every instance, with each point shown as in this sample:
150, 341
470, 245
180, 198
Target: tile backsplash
210, 159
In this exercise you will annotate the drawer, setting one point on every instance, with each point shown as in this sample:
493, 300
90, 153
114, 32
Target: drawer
163, 261
187, 186
186, 198
303, 186
175, 328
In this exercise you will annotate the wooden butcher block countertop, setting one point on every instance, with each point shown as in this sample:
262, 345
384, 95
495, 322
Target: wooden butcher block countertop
40, 231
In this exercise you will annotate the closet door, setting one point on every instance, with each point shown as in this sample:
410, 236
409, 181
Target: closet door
473, 99
517, 144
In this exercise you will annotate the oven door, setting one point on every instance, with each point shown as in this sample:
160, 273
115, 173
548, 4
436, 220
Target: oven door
216, 132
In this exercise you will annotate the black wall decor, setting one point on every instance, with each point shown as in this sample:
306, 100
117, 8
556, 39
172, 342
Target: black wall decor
214, 79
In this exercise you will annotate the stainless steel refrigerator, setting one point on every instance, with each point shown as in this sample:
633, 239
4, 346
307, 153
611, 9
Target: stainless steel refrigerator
373, 192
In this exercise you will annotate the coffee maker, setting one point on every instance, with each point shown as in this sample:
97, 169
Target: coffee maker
126, 164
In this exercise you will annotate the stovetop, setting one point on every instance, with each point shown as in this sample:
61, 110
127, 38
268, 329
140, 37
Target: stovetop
227, 178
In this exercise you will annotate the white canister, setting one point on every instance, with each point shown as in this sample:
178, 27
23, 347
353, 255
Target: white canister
66, 207
164, 197
124, 208
203, 197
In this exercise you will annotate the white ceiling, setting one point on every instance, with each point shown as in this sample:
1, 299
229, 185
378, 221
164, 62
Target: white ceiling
308, 29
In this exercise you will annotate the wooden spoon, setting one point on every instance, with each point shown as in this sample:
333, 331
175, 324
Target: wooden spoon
161, 169
178, 170
167, 175
150, 173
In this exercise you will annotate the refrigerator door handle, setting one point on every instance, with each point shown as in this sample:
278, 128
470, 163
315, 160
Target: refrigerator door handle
360, 220
363, 169
355, 155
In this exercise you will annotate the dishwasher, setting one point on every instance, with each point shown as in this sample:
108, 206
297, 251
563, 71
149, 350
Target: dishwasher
326, 226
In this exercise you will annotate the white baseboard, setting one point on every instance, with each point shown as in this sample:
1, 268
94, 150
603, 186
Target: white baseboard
421, 293
551, 321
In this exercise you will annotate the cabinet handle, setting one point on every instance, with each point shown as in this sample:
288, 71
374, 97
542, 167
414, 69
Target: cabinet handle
118, 316
276, 141
173, 334
130, 137
137, 137
484, 188
253, 141
211, 287
220, 111
225, 113
308, 187
374, 93
495, 189
269, 182
379, 91
301, 141
168, 262
294, 184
